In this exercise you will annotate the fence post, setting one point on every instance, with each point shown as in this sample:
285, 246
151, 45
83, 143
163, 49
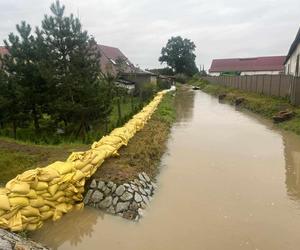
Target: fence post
263, 84
271, 76
279, 85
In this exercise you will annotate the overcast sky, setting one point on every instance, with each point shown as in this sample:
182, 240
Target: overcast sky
140, 28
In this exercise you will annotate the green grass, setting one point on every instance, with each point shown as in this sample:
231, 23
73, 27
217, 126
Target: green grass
166, 110
267, 106
14, 163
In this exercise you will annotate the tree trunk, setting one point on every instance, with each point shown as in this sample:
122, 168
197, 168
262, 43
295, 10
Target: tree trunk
35, 120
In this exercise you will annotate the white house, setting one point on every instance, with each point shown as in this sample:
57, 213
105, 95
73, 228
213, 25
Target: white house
292, 62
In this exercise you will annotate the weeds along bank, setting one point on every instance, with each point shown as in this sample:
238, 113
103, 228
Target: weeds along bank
49, 192
266, 106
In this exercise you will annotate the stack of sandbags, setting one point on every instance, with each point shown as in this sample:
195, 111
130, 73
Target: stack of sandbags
49, 192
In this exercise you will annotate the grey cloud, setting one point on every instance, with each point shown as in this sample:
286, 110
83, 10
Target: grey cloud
232, 28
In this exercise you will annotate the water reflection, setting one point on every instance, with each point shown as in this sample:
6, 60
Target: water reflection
292, 165
184, 103
56, 233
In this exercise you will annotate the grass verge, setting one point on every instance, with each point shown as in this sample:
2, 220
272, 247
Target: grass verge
266, 106
144, 150
17, 157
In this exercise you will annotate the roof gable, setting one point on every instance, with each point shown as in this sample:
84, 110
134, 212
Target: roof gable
269, 63
293, 46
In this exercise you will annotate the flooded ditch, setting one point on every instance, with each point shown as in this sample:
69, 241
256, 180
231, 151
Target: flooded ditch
229, 180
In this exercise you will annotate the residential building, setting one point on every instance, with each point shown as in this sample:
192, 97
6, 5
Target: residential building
292, 62
269, 65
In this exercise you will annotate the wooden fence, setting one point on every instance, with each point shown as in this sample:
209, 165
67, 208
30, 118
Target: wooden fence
270, 85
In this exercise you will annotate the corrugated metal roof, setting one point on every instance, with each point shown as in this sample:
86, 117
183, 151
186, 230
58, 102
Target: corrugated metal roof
268, 63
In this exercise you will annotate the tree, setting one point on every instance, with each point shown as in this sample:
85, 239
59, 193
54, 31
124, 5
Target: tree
23, 77
71, 66
179, 55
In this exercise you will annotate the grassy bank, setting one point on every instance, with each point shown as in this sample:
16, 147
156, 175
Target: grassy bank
16, 157
264, 105
144, 150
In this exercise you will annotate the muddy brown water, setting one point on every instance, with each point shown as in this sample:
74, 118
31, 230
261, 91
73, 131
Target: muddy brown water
229, 180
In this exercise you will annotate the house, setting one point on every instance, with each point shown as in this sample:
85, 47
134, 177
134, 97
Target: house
140, 78
269, 65
292, 61
112, 60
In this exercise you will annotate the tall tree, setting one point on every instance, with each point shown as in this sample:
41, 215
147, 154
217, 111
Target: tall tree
179, 55
22, 72
71, 66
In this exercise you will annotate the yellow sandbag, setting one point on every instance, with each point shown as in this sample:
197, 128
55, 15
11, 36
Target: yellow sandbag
32, 194
57, 195
40, 192
4, 202
15, 223
47, 215
44, 208
38, 202
40, 186
86, 169
61, 199
53, 188
3, 223
31, 219
18, 201
28, 176
62, 167
67, 178
30, 211
51, 203
2, 212
54, 181
63, 186
31, 227
78, 175
19, 187
47, 174
3, 191
78, 197
78, 206
57, 215
46, 195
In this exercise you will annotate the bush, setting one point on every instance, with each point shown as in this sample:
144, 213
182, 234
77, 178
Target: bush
182, 78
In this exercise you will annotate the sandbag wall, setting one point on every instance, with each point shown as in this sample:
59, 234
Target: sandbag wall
49, 192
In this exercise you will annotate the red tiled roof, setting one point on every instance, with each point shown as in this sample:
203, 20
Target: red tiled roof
269, 63
109, 55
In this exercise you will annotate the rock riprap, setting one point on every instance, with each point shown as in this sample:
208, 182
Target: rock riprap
12, 241
126, 200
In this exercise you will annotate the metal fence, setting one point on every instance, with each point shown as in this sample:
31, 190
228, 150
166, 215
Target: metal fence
270, 85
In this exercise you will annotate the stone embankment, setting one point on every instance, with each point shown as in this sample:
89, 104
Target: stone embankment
126, 200
12, 241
